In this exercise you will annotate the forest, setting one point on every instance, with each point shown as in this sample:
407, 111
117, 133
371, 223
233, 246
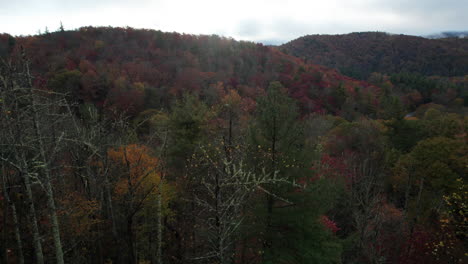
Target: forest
362, 53
123, 145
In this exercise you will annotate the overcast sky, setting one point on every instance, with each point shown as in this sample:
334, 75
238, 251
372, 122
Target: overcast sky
267, 21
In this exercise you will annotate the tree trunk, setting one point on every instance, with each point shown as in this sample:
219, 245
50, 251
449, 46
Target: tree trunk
159, 226
270, 200
130, 241
15, 221
4, 253
54, 223
17, 231
109, 205
49, 192
32, 214
47, 175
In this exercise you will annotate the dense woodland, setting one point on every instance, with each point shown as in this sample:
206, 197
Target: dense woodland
121, 145
360, 54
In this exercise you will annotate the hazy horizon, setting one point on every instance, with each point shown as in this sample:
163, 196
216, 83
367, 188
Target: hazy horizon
268, 22
265, 42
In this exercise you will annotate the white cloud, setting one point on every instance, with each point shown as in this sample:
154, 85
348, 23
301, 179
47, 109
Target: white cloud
261, 20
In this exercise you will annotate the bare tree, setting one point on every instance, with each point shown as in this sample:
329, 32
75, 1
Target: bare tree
367, 196
14, 214
15, 144
36, 132
225, 188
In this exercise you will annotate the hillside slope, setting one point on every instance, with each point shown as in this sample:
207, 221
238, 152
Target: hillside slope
360, 54
148, 69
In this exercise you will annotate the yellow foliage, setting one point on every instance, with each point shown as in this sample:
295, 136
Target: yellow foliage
139, 169
139, 86
79, 213
411, 118
232, 98
139, 178
98, 44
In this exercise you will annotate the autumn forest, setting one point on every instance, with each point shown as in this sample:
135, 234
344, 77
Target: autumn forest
123, 145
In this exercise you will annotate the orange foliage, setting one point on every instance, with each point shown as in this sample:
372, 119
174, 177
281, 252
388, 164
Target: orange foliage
80, 214
139, 167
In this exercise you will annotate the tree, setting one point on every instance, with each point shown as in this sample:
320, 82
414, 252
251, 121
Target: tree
276, 139
187, 123
34, 113
405, 134
90, 181
358, 156
391, 108
300, 230
69, 83
426, 173
443, 125
136, 182
451, 237
9, 202
226, 187
155, 125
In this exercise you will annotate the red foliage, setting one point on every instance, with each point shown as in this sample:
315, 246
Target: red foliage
415, 249
329, 224
129, 101
334, 168
179, 63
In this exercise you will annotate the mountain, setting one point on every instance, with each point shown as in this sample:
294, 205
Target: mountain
133, 70
148, 68
360, 54
132, 146
449, 34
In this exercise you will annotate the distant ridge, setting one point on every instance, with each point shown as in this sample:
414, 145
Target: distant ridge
449, 34
359, 54
121, 66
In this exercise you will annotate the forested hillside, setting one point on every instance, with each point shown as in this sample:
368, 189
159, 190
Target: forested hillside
360, 54
107, 64
121, 145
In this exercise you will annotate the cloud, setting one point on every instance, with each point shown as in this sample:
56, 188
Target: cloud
426, 15
249, 28
34, 6
271, 21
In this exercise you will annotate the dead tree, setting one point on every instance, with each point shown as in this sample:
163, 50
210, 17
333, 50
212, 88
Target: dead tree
36, 131
15, 144
14, 214
225, 188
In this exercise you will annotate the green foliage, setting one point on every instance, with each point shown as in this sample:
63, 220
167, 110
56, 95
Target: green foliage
405, 134
68, 83
438, 124
428, 172
339, 94
276, 135
147, 120
187, 122
360, 137
157, 98
298, 235
362, 53
391, 108
292, 231
276, 116
457, 209
422, 109
7, 44
89, 114
123, 84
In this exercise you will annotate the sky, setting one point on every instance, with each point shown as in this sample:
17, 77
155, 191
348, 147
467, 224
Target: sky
266, 21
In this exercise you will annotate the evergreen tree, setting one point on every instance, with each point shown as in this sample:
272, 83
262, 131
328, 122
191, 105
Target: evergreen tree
291, 230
